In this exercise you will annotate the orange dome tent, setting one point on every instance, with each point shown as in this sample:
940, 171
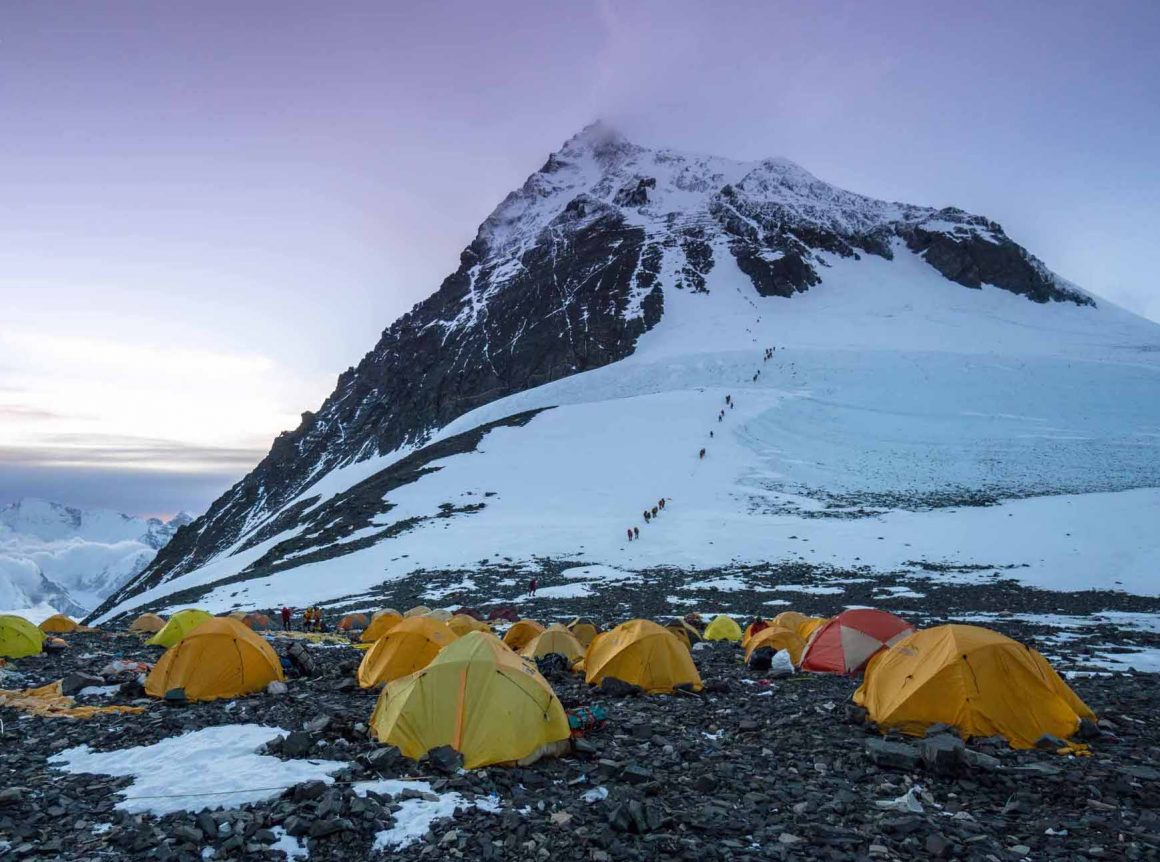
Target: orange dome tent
352, 621
777, 639
148, 623
219, 658
406, 648
559, 641
520, 634
641, 653
380, 625
789, 620
845, 643
58, 624
462, 624
973, 678
257, 621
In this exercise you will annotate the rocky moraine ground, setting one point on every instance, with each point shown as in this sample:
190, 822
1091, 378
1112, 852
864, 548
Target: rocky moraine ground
752, 768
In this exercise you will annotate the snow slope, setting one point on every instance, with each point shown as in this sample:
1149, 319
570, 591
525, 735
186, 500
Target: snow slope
894, 400
70, 559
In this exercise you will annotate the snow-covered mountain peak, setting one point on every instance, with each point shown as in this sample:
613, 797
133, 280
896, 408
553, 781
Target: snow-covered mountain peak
619, 272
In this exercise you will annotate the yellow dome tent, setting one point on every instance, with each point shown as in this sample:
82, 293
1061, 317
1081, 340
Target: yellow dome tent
220, 658
477, 697
463, 624
384, 612
723, 629
441, 615
380, 625
58, 624
179, 625
553, 640
789, 620
753, 629
806, 628
777, 639
978, 680
584, 630
19, 638
417, 611
406, 648
148, 623
684, 632
643, 654
521, 634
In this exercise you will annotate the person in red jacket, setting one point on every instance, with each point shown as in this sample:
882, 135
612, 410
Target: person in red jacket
285, 618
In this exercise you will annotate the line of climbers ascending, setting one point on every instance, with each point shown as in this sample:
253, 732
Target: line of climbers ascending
649, 514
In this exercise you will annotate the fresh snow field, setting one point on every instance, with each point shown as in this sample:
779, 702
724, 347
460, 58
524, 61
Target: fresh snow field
893, 394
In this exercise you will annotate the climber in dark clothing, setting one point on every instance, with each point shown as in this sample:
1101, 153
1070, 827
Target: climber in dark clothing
702, 455
654, 511
532, 584
636, 532
630, 534
728, 398
646, 516
661, 502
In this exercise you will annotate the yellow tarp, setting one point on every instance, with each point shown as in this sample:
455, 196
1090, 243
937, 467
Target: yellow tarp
978, 680
58, 624
559, 641
644, 654
19, 638
478, 697
380, 625
723, 629
219, 658
777, 638
407, 647
48, 702
522, 633
179, 625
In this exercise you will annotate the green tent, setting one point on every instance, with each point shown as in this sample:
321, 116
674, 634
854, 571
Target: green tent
179, 625
19, 637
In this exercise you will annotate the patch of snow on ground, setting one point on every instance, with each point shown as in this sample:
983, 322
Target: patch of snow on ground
725, 584
811, 589
597, 573
564, 591
294, 848
415, 816
1146, 660
216, 767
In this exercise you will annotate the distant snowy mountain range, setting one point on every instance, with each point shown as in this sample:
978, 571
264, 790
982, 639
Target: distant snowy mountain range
70, 559
937, 394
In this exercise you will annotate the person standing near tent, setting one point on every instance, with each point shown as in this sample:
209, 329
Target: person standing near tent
318, 624
307, 619
532, 584
285, 618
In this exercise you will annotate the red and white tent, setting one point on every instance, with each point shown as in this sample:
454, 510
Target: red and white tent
848, 641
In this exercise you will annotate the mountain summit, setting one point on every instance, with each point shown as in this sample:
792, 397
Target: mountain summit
924, 359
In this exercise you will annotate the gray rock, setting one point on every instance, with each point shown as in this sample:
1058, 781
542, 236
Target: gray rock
942, 753
892, 755
297, 743
72, 683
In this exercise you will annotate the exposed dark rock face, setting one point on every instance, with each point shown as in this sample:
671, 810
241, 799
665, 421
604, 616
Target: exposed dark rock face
973, 259
483, 335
